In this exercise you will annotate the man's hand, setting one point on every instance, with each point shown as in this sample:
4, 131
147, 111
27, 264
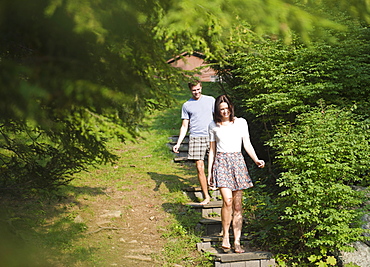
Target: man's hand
176, 148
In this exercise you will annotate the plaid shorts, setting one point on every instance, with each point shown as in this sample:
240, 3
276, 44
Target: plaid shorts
198, 147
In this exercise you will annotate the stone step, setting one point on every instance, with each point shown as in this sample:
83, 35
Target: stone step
211, 205
227, 258
211, 221
195, 193
180, 159
183, 147
197, 188
212, 209
173, 139
182, 156
217, 239
210, 226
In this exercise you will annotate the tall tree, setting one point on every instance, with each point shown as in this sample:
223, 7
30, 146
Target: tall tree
75, 72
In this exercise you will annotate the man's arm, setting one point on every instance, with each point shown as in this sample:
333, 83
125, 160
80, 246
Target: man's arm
183, 131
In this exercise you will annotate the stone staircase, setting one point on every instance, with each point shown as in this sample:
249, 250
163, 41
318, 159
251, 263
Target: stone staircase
210, 226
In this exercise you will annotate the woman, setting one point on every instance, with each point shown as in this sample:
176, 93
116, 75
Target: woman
226, 166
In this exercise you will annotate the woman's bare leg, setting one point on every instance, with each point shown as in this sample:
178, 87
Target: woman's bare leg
226, 215
237, 219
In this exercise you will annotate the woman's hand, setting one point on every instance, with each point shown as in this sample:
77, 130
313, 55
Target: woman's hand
260, 163
210, 180
211, 183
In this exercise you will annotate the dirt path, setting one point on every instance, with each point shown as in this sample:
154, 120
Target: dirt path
130, 221
127, 219
124, 210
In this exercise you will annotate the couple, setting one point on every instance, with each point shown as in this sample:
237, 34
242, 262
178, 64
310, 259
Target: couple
224, 134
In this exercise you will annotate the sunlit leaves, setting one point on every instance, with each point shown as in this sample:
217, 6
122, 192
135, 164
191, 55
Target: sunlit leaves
312, 100
191, 20
328, 142
77, 73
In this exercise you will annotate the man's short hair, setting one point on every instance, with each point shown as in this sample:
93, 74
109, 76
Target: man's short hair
193, 83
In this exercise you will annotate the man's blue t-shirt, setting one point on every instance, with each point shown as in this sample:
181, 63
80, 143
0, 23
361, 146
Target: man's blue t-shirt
200, 114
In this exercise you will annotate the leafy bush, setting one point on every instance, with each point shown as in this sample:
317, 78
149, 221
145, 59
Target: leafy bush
33, 159
308, 106
274, 82
317, 209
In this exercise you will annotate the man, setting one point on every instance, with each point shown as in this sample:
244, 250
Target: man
196, 115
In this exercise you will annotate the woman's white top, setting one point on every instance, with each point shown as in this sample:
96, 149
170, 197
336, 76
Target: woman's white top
228, 138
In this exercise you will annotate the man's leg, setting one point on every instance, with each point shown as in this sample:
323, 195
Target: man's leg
203, 181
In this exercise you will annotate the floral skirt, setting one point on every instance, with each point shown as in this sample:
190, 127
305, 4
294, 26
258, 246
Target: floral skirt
230, 171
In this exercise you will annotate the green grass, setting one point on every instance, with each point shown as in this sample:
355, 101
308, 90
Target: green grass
43, 231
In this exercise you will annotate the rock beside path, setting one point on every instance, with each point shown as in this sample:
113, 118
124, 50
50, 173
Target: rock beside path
361, 255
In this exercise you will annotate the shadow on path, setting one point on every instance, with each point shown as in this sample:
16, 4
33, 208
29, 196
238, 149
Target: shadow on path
173, 183
26, 236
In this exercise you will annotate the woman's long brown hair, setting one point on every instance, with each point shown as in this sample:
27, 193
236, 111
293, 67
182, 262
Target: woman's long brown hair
217, 115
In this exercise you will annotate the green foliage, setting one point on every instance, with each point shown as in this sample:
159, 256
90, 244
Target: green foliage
330, 144
309, 107
323, 261
277, 81
79, 72
207, 25
33, 159
74, 74
323, 154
